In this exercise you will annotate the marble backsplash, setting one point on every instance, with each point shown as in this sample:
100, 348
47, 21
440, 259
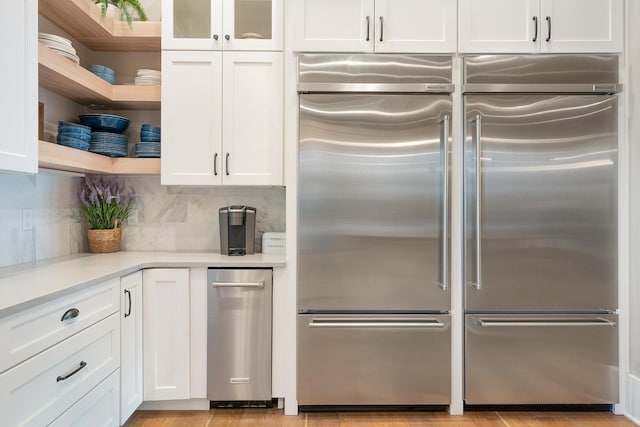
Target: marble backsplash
165, 218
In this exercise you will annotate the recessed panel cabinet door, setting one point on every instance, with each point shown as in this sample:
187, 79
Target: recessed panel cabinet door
19, 87
488, 26
416, 26
582, 25
333, 25
191, 118
252, 118
131, 348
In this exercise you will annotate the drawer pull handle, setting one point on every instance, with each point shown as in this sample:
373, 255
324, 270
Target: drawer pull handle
72, 313
71, 373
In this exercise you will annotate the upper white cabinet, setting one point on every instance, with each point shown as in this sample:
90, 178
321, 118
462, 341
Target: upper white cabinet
19, 87
546, 26
399, 26
222, 118
222, 24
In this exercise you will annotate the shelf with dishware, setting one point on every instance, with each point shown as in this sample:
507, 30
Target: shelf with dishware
58, 157
66, 78
83, 20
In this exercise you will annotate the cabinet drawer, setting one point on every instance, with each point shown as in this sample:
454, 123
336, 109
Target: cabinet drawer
41, 388
31, 331
99, 408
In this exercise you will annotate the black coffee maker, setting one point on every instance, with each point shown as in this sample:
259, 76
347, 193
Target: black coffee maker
237, 230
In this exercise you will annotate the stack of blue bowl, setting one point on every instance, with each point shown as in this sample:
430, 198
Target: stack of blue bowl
106, 135
74, 135
149, 145
103, 72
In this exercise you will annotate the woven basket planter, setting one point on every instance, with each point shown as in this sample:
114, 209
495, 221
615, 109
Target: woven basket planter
104, 241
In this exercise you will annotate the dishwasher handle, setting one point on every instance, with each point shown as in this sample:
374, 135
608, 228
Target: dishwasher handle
256, 285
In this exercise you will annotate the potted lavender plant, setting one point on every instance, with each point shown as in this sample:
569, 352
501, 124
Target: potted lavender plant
105, 204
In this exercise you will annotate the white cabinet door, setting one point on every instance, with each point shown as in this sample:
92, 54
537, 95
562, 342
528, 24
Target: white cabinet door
252, 118
222, 25
493, 26
166, 333
406, 26
191, 118
131, 348
333, 25
19, 87
582, 25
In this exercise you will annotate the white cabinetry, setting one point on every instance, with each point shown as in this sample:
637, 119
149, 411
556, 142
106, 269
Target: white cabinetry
547, 26
407, 26
19, 87
166, 334
222, 24
131, 348
222, 118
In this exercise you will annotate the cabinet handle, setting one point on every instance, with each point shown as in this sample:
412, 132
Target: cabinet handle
368, 28
72, 372
381, 28
535, 26
127, 292
215, 164
226, 164
227, 37
549, 29
215, 37
72, 313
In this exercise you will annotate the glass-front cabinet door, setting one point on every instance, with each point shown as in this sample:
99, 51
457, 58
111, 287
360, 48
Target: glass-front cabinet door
222, 25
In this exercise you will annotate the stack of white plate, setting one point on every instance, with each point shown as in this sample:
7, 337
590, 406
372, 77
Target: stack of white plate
148, 77
59, 45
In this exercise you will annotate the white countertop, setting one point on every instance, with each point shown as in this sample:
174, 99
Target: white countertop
27, 285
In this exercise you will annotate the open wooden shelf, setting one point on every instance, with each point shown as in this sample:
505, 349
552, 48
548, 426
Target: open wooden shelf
59, 157
83, 20
65, 77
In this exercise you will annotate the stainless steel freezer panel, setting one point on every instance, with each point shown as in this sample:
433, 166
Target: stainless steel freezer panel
545, 198
540, 69
374, 360
239, 334
373, 68
373, 217
541, 359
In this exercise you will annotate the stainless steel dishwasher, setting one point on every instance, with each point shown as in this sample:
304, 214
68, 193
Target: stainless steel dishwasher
239, 335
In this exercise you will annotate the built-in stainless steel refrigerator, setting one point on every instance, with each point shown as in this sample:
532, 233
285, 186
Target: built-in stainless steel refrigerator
373, 240
540, 182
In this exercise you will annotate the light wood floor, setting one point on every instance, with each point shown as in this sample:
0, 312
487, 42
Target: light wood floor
276, 418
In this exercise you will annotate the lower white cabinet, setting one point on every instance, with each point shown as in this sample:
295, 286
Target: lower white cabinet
99, 408
166, 334
131, 380
38, 390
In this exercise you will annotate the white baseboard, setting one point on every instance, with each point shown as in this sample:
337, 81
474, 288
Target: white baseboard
176, 405
633, 399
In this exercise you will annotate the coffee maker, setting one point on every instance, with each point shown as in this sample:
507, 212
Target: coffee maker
237, 230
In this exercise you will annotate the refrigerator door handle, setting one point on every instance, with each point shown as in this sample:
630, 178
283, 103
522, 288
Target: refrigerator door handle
537, 323
444, 140
477, 120
340, 322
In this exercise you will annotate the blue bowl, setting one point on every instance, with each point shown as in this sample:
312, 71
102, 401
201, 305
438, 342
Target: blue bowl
73, 143
105, 122
70, 134
155, 139
106, 77
95, 68
76, 126
149, 128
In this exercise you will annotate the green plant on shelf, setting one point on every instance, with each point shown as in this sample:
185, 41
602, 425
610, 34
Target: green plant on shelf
128, 8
